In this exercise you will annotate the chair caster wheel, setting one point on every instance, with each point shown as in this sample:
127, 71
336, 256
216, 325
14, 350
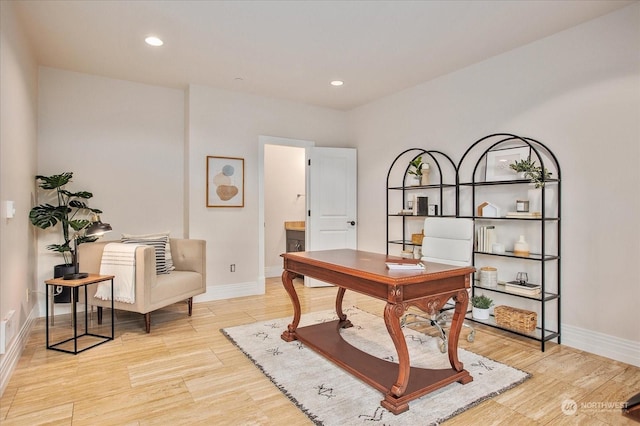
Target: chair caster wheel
443, 347
471, 337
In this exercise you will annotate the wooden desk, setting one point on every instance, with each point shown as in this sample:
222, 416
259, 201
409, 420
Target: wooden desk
367, 273
75, 285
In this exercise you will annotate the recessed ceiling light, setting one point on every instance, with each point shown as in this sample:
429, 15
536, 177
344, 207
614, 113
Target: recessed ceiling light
153, 41
337, 83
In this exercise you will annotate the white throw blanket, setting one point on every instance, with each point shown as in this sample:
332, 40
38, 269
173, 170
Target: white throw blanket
119, 259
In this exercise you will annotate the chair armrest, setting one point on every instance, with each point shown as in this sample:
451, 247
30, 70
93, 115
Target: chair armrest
189, 255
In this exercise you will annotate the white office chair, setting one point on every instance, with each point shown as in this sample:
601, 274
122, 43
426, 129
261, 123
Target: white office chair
446, 240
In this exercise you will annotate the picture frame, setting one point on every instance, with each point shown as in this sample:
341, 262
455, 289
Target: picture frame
498, 161
225, 181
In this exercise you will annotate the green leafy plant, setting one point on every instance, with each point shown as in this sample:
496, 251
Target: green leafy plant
71, 212
416, 165
481, 302
532, 172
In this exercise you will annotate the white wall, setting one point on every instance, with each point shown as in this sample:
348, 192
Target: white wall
285, 200
18, 142
579, 93
123, 141
224, 123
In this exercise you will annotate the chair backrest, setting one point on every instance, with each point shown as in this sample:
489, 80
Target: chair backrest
448, 240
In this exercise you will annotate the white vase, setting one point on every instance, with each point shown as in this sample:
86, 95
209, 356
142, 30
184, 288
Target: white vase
413, 180
535, 200
534, 196
480, 314
521, 247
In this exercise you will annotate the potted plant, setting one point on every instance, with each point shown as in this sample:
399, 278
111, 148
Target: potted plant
420, 170
531, 171
481, 305
71, 211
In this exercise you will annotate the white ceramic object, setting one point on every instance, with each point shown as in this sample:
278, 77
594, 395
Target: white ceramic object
521, 247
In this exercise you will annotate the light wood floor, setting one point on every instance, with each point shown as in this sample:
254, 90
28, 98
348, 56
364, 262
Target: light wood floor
187, 372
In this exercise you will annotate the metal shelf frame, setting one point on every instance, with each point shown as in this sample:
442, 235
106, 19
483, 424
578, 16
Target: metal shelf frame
469, 175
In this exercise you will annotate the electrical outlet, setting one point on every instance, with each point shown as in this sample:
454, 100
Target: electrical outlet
232, 268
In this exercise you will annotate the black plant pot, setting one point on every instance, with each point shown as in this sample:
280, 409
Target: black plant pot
62, 294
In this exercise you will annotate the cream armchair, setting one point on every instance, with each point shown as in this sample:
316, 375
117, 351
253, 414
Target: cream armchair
153, 291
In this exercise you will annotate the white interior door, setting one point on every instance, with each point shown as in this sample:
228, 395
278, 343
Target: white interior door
332, 201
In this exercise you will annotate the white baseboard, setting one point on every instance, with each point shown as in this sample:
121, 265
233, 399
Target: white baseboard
10, 358
601, 344
230, 291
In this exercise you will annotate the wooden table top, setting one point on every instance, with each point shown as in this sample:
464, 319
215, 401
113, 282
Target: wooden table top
92, 278
373, 266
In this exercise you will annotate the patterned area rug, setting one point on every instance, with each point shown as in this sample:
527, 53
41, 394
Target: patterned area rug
328, 395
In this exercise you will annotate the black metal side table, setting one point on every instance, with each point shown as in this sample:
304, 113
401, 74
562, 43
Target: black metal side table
75, 285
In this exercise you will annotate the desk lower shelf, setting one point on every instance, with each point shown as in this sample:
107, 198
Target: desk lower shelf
325, 339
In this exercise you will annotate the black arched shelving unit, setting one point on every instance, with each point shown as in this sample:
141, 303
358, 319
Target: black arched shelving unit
476, 185
480, 178
441, 191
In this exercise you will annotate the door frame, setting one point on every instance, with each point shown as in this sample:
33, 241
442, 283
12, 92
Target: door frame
273, 140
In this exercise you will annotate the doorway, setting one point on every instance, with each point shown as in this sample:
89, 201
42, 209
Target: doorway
290, 203
285, 204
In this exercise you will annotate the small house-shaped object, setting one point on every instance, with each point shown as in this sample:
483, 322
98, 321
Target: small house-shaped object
487, 209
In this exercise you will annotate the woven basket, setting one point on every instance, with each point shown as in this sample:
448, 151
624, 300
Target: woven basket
515, 319
417, 238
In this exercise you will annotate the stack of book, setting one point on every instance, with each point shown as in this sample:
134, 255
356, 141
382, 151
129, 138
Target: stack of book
524, 215
485, 237
526, 289
395, 263
405, 266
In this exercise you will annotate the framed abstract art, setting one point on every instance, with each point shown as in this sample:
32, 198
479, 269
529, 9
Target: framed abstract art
225, 181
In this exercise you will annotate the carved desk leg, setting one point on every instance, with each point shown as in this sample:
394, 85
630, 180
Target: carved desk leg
392, 314
287, 281
344, 322
461, 299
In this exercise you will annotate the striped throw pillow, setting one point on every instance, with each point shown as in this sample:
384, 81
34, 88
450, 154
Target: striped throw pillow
160, 245
167, 253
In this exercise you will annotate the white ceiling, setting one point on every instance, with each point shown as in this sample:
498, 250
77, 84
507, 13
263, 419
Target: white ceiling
291, 49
